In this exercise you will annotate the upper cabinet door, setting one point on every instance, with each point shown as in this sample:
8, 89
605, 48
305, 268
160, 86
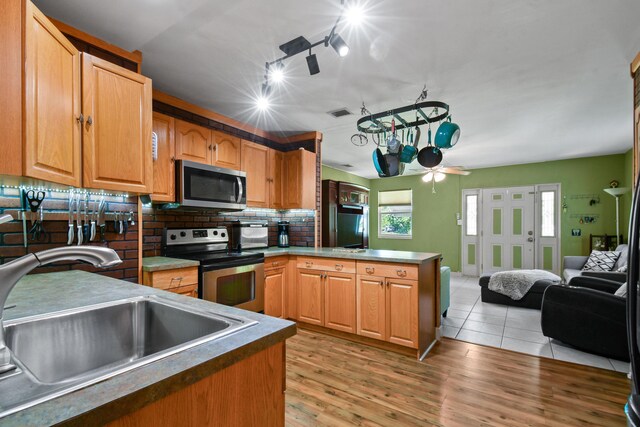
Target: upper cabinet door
52, 102
117, 127
164, 169
193, 142
226, 150
276, 159
299, 180
254, 163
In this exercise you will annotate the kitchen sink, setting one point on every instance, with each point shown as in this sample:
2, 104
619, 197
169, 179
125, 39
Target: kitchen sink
63, 351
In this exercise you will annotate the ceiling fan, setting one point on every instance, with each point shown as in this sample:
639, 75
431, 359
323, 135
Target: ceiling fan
439, 173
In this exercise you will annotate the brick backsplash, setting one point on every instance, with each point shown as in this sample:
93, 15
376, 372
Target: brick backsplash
301, 229
56, 223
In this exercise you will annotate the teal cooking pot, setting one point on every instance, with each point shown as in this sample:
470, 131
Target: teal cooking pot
410, 151
447, 135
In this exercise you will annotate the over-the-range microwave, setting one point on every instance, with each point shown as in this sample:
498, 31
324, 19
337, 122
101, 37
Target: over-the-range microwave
204, 186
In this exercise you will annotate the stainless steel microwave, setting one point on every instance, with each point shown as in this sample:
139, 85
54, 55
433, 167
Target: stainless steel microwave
204, 186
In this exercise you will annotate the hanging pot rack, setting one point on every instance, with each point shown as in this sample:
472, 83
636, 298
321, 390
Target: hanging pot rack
380, 122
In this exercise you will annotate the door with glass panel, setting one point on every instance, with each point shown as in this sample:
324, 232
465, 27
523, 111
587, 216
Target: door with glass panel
508, 233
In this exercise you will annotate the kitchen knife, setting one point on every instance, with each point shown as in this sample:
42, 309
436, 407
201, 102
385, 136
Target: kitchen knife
92, 216
101, 219
70, 233
79, 221
85, 227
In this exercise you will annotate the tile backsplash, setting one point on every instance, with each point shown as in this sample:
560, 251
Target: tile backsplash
301, 227
56, 224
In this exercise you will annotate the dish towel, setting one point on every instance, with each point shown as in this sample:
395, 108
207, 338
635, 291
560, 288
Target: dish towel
515, 284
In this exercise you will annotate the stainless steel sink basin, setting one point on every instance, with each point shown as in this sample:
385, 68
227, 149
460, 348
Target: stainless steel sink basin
71, 349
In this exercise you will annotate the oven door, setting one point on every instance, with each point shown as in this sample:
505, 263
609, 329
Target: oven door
239, 286
201, 185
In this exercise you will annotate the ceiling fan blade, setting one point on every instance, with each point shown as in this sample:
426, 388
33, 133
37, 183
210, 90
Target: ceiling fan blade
454, 171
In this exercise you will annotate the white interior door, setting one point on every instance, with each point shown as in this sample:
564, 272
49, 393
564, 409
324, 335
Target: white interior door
508, 233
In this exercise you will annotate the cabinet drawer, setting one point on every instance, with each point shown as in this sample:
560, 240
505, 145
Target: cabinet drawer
169, 279
189, 290
327, 264
275, 262
385, 269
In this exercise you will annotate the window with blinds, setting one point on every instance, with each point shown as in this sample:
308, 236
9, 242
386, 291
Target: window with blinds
395, 214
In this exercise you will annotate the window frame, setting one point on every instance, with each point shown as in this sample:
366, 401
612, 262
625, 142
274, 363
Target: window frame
554, 220
400, 208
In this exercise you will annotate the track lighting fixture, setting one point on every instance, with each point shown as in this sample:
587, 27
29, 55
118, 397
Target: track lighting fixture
274, 70
338, 44
312, 63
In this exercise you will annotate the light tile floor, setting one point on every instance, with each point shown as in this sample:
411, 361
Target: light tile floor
512, 328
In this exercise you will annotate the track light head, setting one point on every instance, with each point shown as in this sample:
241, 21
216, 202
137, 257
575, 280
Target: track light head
338, 44
312, 63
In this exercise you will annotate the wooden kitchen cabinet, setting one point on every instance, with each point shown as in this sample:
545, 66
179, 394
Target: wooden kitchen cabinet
372, 307
183, 281
274, 283
299, 177
402, 312
254, 159
193, 142
164, 169
274, 178
40, 97
340, 301
225, 150
310, 293
116, 140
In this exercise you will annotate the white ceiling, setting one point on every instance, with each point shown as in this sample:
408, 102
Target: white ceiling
527, 80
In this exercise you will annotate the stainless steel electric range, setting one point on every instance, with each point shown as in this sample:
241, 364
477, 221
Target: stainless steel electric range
235, 279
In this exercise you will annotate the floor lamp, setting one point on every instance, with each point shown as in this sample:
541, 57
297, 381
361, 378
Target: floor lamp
617, 192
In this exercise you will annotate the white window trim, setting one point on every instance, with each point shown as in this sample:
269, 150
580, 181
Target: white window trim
382, 235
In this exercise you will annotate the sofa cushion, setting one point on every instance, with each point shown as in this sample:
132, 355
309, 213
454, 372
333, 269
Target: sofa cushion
621, 263
622, 291
601, 261
570, 273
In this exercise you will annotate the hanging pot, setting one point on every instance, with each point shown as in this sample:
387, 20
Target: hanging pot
393, 164
410, 152
447, 135
429, 156
380, 163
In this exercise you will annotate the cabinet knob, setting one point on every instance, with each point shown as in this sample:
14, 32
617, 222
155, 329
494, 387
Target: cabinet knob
173, 159
89, 120
210, 147
214, 147
369, 270
80, 119
381, 283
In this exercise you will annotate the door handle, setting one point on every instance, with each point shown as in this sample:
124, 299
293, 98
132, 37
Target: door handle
369, 270
401, 273
339, 267
240, 190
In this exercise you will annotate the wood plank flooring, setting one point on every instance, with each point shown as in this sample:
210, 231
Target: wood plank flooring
333, 382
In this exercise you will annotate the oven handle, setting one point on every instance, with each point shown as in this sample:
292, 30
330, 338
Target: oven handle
240, 189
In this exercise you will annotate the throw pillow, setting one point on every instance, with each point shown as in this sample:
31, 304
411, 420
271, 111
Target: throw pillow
622, 291
601, 261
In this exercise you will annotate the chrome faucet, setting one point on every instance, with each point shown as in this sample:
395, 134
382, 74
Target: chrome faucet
12, 272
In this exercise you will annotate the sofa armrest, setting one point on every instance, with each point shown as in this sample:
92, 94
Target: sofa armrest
575, 262
608, 275
598, 284
587, 319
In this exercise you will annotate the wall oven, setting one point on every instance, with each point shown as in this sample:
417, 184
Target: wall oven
204, 186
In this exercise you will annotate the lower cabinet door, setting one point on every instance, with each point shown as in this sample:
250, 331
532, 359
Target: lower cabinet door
310, 296
340, 302
402, 312
371, 307
274, 281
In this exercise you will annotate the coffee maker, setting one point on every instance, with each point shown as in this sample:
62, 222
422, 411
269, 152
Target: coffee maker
283, 234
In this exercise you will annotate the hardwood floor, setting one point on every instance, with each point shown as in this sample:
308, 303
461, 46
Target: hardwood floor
333, 382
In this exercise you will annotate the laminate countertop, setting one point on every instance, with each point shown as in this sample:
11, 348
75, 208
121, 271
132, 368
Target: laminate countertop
159, 263
123, 393
405, 257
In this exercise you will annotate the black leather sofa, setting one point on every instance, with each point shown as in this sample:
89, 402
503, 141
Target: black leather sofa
587, 315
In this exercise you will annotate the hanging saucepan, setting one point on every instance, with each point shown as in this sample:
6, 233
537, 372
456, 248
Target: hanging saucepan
380, 163
393, 163
429, 156
410, 151
393, 143
448, 134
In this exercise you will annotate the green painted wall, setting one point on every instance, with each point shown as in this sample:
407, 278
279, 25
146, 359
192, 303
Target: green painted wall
338, 175
434, 215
